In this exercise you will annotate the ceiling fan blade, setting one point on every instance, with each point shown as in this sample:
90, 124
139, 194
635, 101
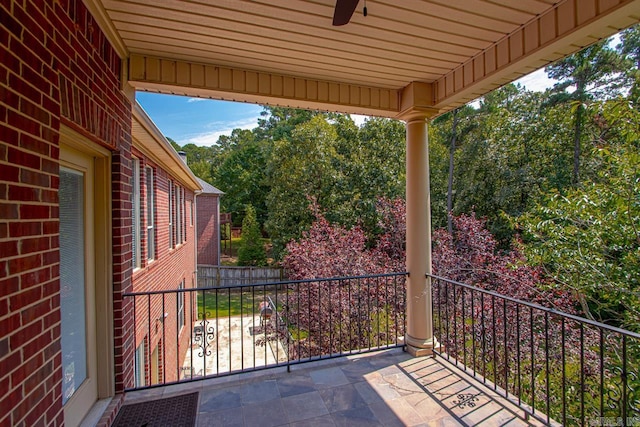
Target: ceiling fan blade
343, 11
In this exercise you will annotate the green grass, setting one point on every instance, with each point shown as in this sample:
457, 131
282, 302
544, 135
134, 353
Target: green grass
232, 253
223, 303
235, 244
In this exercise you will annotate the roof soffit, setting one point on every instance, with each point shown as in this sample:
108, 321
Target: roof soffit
461, 48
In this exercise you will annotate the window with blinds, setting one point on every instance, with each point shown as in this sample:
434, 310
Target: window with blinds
151, 198
136, 217
171, 215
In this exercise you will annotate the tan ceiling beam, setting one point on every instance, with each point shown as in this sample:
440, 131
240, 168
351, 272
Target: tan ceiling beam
233, 84
416, 102
565, 28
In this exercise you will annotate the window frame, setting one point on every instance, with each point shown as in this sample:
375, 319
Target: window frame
140, 370
178, 215
180, 303
150, 212
136, 217
171, 225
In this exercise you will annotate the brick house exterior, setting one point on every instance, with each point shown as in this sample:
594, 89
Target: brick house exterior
208, 220
66, 115
169, 263
59, 76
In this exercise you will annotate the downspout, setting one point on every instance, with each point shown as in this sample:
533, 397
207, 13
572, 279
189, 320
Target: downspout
194, 215
218, 230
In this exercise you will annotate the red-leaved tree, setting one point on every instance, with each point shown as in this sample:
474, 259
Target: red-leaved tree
333, 316
519, 348
532, 352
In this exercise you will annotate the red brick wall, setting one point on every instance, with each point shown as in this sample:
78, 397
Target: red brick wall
170, 267
208, 239
56, 67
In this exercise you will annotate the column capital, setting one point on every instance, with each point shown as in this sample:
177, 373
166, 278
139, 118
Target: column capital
416, 114
416, 102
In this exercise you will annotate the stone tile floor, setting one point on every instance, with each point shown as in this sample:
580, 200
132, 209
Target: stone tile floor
388, 388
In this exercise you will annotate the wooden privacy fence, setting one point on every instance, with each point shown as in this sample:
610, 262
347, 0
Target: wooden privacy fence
222, 276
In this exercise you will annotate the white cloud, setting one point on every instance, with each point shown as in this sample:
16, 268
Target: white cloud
536, 81
358, 119
197, 100
207, 139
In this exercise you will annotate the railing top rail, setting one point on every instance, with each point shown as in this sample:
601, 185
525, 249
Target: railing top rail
541, 308
239, 267
263, 284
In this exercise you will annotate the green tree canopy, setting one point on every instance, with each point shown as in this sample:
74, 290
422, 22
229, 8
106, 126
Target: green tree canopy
251, 250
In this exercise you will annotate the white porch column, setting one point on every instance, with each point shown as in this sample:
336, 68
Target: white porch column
419, 335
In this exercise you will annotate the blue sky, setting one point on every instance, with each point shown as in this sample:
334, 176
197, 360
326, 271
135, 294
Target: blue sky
197, 120
201, 121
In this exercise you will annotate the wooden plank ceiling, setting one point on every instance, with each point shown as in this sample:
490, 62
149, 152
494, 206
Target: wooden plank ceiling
399, 42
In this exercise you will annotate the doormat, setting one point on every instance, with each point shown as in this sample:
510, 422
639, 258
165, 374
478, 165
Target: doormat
178, 411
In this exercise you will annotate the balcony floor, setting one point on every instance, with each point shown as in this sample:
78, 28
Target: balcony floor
388, 388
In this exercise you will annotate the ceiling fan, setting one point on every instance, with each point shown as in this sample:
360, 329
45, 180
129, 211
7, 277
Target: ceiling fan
344, 11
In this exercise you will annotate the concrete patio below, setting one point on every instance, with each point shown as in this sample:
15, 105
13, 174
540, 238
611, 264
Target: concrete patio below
388, 388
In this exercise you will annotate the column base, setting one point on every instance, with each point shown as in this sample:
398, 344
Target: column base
419, 348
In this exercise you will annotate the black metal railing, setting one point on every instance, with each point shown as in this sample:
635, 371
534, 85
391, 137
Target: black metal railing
558, 367
191, 334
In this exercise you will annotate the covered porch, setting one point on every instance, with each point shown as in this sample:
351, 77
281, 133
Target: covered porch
411, 62
70, 73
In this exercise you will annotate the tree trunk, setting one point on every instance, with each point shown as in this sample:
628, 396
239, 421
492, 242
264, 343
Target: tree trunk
580, 89
452, 149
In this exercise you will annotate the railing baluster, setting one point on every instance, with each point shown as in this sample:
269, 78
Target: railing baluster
446, 308
277, 327
369, 312
148, 350
350, 316
241, 331
546, 350
178, 337
439, 310
484, 341
582, 384
519, 361
455, 327
164, 343
135, 338
330, 297
473, 331
388, 310
623, 377
191, 329
320, 338
494, 341
298, 317
564, 374
464, 332
203, 324
217, 331
601, 372
533, 364
253, 319
506, 349
229, 319
377, 300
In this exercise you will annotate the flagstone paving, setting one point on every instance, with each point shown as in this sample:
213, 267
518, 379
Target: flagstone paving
388, 388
